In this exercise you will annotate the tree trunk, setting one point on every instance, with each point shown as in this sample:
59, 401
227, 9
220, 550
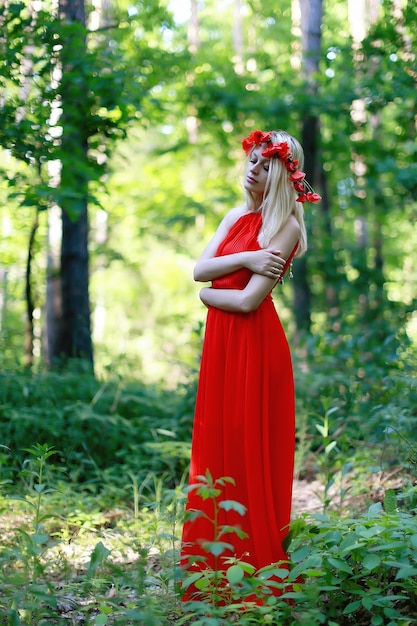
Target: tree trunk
29, 333
75, 338
311, 17
377, 301
53, 313
76, 333
3, 297
361, 16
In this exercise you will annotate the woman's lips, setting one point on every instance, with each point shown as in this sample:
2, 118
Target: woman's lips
251, 180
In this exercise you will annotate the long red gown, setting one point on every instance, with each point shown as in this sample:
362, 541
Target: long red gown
244, 423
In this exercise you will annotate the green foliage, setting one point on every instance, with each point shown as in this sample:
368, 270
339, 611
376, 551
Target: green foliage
340, 569
162, 189
94, 426
230, 584
140, 87
356, 399
42, 580
98, 95
91, 531
362, 569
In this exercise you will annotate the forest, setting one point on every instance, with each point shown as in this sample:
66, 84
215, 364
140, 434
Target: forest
120, 152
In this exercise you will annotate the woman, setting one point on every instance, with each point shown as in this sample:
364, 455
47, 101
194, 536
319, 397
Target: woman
244, 424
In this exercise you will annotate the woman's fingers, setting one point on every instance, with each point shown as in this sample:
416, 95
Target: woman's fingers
278, 265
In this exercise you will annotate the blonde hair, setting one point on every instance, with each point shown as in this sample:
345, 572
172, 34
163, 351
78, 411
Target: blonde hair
279, 199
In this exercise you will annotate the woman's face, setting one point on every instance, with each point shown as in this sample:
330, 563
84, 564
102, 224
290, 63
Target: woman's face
257, 171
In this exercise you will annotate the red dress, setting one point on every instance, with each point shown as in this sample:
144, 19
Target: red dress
244, 423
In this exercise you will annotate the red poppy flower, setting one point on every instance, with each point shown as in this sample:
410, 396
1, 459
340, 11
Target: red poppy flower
291, 166
256, 137
299, 187
280, 149
297, 176
313, 197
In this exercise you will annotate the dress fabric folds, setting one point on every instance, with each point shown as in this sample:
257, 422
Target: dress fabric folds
244, 422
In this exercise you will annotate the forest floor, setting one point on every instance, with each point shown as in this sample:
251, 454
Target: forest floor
309, 495
125, 546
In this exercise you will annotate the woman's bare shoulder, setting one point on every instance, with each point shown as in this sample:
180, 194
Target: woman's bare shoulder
287, 237
290, 229
293, 224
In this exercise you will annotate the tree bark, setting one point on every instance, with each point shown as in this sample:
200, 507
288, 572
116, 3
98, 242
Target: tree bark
30, 306
53, 313
311, 17
371, 301
75, 338
76, 332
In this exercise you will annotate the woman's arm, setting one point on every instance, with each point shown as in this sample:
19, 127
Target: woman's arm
258, 287
239, 300
266, 262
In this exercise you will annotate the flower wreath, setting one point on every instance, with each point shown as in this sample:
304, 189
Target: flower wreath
283, 152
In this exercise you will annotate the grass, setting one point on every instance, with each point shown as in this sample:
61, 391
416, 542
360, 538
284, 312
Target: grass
67, 558
92, 478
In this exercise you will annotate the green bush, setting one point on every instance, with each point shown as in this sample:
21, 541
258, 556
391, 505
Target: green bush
362, 570
95, 425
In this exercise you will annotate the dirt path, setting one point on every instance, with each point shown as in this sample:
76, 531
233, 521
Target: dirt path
307, 497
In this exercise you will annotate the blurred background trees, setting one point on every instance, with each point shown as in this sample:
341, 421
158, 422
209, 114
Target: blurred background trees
120, 151
124, 122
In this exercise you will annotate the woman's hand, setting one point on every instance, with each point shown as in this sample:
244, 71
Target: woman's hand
266, 262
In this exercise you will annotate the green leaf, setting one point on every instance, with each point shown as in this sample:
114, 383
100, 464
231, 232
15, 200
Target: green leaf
13, 618
22, 499
272, 572
190, 579
330, 446
202, 583
375, 509
371, 561
225, 479
232, 505
300, 554
298, 570
105, 608
368, 602
208, 493
225, 530
101, 620
247, 567
322, 430
406, 572
340, 565
390, 501
40, 538
392, 545
351, 607
98, 556
216, 547
211, 621
234, 574
368, 533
